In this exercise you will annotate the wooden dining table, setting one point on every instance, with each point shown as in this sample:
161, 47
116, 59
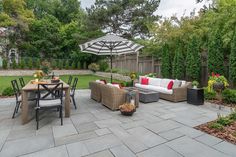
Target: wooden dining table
33, 87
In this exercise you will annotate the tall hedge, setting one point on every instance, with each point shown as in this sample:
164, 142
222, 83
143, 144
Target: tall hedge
232, 59
166, 62
215, 54
4, 64
193, 63
178, 64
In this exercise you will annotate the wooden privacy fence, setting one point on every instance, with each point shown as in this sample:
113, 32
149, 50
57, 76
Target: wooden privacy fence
148, 64
136, 63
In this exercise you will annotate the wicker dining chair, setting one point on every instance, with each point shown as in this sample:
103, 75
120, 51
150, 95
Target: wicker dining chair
49, 100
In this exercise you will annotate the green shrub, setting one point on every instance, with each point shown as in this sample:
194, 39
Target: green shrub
103, 65
4, 64
13, 64
8, 92
114, 70
216, 126
60, 64
224, 121
84, 65
67, 64
30, 63
54, 64
233, 115
229, 96
37, 63
73, 66
78, 65
127, 84
93, 67
209, 95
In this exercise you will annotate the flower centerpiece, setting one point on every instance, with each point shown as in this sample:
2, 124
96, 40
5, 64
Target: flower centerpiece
46, 67
133, 76
38, 75
127, 109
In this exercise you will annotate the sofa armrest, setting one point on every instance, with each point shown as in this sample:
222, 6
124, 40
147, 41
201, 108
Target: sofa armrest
181, 92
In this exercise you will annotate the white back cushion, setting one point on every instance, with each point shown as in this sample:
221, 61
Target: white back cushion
165, 82
154, 81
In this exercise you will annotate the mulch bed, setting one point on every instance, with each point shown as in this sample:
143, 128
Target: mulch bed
227, 134
220, 103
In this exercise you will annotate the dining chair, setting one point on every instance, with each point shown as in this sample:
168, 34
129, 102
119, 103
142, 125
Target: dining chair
22, 82
17, 94
72, 91
70, 80
50, 99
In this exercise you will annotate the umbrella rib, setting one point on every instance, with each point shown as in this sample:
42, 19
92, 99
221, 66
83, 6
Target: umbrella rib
101, 47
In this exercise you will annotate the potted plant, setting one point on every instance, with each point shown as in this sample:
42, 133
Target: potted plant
133, 76
217, 83
39, 74
195, 84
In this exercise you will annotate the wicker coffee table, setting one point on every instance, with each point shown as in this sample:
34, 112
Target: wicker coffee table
145, 96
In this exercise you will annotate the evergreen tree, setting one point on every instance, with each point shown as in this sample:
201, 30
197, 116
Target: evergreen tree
60, 64
4, 64
232, 61
22, 63
37, 63
215, 54
54, 64
193, 64
13, 64
30, 63
73, 66
178, 65
78, 65
166, 62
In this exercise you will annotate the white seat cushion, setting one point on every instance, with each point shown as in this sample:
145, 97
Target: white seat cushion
161, 89
49, 103
155, 81
141, 86
177, 83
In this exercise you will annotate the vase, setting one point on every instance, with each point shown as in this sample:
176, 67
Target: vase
218, 86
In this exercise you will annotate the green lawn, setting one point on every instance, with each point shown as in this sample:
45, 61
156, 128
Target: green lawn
83, 83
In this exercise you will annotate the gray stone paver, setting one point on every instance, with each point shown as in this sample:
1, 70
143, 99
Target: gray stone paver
52, 152
227, 148
208, 139
156, 129
122, 151
162, 151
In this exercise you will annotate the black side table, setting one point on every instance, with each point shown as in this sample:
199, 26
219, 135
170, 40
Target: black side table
195, 96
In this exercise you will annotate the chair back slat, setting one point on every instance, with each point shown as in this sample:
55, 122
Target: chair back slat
73, 88
70, 80
55, 91
15, 88
22, 82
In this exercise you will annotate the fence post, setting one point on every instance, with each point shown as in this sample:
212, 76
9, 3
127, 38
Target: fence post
137, 62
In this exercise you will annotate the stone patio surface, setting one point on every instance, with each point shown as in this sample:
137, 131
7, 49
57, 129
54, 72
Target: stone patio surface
160, 129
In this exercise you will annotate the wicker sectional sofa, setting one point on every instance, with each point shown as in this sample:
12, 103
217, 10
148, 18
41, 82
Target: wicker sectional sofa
176, 94
109, 96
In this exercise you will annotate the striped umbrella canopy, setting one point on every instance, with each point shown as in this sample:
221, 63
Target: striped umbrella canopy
110, 45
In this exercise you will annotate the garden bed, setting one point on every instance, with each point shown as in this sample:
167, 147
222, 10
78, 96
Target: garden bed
217, 102
223, 128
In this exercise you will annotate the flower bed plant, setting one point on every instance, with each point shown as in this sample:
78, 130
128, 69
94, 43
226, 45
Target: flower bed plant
223, 127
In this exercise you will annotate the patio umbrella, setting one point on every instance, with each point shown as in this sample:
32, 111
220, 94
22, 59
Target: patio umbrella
110, 45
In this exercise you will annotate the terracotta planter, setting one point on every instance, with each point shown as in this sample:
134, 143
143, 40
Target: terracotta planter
218, 86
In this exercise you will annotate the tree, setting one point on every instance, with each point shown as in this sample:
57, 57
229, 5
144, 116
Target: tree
67, 64
4, 64
30, 63
193, 64
215, 54
232, 62
166, 62
128, 18
178, 64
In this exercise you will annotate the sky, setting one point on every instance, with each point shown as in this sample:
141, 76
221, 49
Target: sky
167, 8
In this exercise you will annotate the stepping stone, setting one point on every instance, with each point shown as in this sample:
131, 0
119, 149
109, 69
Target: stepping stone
101, 132
226, 147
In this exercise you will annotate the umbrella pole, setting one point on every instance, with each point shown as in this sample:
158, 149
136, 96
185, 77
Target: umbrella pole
111, 68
